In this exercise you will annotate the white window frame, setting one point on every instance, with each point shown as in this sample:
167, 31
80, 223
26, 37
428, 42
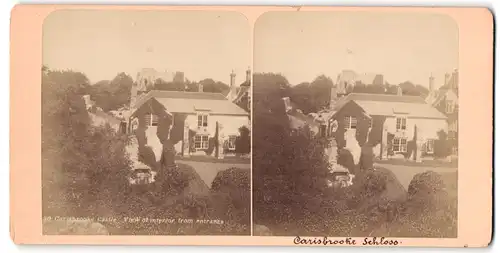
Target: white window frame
429, 146
399, 147
350, 122
249, 101
231, 142
323, 129
401, 124
202, 120
202, 140
151, 119
453, 126
450, 106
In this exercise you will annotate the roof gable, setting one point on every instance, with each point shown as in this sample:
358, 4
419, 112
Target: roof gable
391, 105
192, 102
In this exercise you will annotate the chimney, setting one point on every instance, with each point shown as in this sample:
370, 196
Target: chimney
446, 79
200, 87
232, 86
454, 79
249, 75
333, 96
431, 83
400, 91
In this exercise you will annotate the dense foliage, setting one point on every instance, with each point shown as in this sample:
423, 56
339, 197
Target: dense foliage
242, 144
291, 195
82, 164
85, 172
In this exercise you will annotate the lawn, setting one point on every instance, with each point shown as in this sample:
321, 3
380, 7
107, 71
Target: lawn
210, 159
424, 163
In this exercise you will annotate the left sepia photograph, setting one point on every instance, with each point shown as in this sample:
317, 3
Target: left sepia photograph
146, 123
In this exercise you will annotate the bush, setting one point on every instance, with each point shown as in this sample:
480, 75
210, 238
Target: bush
366, 159
147, 156
345, 159
243, 141
212, 143
424, 187
431, 209
232, 190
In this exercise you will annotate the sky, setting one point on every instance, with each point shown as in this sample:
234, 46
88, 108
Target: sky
103, 43
401, 46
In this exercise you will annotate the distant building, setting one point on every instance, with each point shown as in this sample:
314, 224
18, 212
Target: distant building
349, 78
445, 100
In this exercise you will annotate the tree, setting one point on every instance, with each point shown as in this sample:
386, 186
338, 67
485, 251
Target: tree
314, 96
161, 84
209, 85
320, 88
302, 96
114, 94
81, 164
289, 168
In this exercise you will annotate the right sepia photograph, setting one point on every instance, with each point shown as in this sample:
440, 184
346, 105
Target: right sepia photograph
355, 124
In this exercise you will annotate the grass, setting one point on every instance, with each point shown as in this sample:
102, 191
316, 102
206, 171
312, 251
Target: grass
424, 163
209, 159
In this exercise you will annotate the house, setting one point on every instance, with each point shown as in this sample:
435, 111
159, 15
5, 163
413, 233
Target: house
404, 125
99, 117
297, 119
240, 95
445, 100
349, 78
192, 121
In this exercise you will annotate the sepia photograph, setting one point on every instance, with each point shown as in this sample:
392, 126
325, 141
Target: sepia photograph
146, 123
355, 125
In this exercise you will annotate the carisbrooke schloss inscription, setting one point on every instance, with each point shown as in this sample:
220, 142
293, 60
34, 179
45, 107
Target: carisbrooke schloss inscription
367, 241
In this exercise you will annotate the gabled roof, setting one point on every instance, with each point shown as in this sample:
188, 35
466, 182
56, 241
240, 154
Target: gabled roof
191, 102
391, 105
241, 93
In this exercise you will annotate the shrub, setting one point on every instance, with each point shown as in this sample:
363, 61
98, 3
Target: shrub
243, 141
231, 188
431, 209
212, 143
442, 146
147, 156
366, 159
346, 159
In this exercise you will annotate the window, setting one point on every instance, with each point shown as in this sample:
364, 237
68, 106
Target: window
202, 120
154, 120
231, 142
350, 122
453, 126
249, 101
201, 141
429, 146
450, 106
452, 134
322, 130
147, 119
151, 119
400, 123
399, 145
